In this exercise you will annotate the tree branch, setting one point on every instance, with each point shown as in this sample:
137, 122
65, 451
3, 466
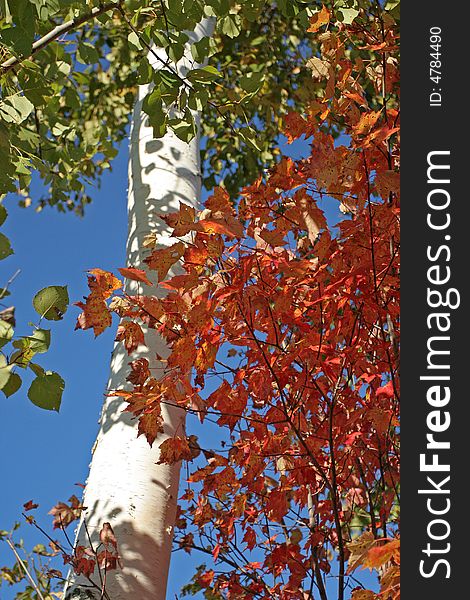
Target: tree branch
46, 39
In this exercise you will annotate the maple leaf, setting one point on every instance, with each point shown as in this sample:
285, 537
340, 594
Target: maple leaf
250, 538
322, 17
103, 282
30, 505
386, 183
366, 122
163, 259
64, 514
205, 579
377, 556
107, 536
320, 68
390, 583
140, 371
83, 561
132, 335
219, 202
359, 549
96, 314
360, 594
295, 126
173, 450
227, 225
135, 275
150, 425
183, 354
182, 221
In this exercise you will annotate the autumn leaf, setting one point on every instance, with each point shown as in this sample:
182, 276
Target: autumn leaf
103, 282
174, 449
320, 68
319, 19
366, 122
163, 259
65, 514
150, 425
107, 536
219, 202
228, 226
379, 555
140, 371
135, 275
360, 594
132, 335
182, 221
295, 126
386, 183
95, 314
359, 549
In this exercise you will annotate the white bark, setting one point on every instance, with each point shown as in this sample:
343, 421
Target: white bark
125, 486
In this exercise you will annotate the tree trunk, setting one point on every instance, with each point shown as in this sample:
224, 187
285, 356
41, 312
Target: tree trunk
126, 487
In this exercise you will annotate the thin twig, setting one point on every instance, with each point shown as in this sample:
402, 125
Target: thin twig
25, 568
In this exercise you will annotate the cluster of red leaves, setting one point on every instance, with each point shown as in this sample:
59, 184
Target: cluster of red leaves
85, 560
300, 322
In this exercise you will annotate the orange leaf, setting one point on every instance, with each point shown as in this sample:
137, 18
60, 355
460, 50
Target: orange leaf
379, 555
174, 450
95, 314
180, 221
363, 595
162, 260
366, 122
319, 19
150, 425
103, 282
132, 335
135, 275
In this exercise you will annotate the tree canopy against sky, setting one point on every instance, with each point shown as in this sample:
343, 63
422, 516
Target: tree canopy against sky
311, 376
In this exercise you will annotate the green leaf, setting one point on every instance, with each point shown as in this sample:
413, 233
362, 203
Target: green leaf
5, 247
3, 214
12, 385
37, 369
15, 109
5, 371
40, 340
6, 332
231, 25
87, 53
37, 343
249, 135
133, 39
46, 391
251, 82
200, 50
204, 75
153, 107
348, 15
51, 302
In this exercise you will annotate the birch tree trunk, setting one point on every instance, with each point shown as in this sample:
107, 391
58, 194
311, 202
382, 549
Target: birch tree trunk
126, 487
